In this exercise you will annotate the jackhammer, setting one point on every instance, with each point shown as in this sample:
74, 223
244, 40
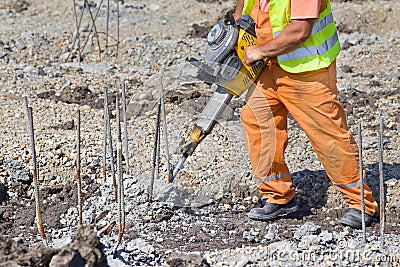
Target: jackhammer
222, 64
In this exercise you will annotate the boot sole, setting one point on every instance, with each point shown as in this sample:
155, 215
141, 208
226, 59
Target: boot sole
276, 214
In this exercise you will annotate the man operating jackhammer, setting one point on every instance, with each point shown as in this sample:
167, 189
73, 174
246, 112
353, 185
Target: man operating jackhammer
300, 40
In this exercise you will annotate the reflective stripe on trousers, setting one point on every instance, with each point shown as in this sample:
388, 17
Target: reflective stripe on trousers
273, 177
351, 185
311, 99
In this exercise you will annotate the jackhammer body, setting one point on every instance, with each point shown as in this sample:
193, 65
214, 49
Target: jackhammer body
222, 64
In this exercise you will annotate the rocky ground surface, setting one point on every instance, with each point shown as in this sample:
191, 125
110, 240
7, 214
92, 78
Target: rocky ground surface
200, 220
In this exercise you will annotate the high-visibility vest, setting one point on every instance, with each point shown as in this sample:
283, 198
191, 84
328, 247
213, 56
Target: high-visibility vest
318, 51
248, 7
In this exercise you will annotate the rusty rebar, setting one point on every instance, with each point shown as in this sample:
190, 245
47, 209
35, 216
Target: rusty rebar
158, 154
35, 174
77, 37
119, 157
77, 28
107, 21
105, 128
123, 103
381, 186
165, 130
360, 154
78, 165
110, 142
155, 152
121, 202
116, 54
106, 229
95, 28
27, 111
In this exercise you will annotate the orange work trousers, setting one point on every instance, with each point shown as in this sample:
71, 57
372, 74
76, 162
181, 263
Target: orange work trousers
311, 99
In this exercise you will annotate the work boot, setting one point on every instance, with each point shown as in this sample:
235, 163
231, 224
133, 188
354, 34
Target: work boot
271, 211
353, 219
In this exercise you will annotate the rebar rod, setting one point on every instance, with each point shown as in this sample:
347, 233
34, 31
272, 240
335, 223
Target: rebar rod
91, 29
95, 30
110, 142
119, 156
106, 229
165, 130
116, 54
79, 37
364, 236
105, 128
77, 29
125, 128
158, 155
155, 150
381, 186
35, 175
107, 21
78, 165
27, 111
76, 14
78, 25
121, 202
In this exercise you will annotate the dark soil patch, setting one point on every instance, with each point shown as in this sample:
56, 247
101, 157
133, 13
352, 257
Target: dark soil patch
80, 95
19, 6
199, 31
77, 95
67, 125
183, 260
17, 218
85, 250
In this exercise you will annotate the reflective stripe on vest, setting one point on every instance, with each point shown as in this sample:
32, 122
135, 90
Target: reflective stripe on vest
310, 51
318, 51
318, 26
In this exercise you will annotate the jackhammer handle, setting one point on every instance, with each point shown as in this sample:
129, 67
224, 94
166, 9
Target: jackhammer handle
259, 63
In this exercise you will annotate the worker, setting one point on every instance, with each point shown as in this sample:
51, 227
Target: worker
300, 40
